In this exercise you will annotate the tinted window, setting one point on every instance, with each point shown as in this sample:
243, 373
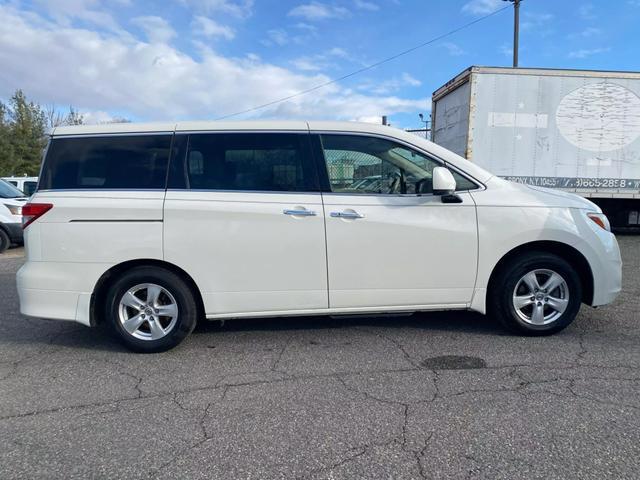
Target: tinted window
250, 161
110, 162
29, 188
361, 164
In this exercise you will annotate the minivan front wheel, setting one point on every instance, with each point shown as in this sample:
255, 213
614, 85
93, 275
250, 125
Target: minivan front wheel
150, 309
536, 294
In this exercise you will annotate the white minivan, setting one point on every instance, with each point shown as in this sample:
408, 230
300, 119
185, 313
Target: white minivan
149, 228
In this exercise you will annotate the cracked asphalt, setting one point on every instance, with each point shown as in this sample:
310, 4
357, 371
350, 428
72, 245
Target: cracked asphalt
324, 398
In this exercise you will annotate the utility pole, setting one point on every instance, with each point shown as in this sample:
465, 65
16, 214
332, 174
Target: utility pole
516, 29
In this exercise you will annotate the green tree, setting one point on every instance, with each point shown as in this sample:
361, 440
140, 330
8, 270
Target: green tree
22, 133
6, 147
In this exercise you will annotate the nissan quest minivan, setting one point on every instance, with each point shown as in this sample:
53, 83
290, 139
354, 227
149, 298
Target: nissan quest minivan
148, 228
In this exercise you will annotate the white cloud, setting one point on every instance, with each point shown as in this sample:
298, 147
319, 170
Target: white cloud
585, 11
97, 116
207, 27
338, 52
280, 36
152, 81
533, 20
238, 8
585, 52
391, 85
370, 119
156, 29
277, 36
588, 32
66, 12
321, 61
308, 28
365, 5
308, 64
506, 50
482, 7
453, 49
318, 11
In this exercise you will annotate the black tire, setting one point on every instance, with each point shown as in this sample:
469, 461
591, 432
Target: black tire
175, 289
5, 241
501, 303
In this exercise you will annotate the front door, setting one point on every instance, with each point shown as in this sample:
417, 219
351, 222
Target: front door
243, 216
390, 241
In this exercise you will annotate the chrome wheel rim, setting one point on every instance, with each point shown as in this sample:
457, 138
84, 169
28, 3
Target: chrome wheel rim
540, 297
148, 311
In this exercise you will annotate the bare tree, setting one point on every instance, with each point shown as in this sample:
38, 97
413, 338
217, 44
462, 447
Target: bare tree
55, 118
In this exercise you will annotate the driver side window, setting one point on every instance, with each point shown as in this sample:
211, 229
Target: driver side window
371, 165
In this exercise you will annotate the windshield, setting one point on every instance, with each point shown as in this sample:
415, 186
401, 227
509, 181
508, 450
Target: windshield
9, 191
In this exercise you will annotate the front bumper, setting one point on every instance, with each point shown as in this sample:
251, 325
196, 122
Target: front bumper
608, 280
603, 254
15, 232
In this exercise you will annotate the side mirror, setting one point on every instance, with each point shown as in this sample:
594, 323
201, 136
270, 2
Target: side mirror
443, 181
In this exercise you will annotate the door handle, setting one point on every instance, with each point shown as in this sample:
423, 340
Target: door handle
300, 213
351, 215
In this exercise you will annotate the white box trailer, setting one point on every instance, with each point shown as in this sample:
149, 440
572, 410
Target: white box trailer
574, 130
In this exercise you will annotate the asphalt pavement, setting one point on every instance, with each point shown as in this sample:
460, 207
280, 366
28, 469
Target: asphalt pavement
443, 395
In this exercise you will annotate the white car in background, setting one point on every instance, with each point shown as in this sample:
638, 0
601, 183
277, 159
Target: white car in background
11, 203
27, 185
150, 227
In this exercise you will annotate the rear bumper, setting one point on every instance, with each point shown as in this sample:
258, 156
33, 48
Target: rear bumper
14, 230
57, 290
53, 304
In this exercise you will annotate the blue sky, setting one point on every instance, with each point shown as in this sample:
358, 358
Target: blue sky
202, 59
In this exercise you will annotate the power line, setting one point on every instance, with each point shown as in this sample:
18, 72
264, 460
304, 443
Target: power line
368, 67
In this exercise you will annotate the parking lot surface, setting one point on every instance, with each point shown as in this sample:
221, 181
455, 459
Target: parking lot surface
446, 395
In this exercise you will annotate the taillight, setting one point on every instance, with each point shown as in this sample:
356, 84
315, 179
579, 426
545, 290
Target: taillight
33, 211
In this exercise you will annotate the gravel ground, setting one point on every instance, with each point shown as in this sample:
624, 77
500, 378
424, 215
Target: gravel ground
446, 395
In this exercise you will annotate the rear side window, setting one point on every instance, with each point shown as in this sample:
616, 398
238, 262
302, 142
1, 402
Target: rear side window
273, 162
109, 162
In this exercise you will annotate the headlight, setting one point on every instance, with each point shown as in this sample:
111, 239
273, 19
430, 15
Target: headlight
15, 210
600, 219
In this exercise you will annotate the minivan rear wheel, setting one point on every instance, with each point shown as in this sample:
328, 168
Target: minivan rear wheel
538, 293
150, 309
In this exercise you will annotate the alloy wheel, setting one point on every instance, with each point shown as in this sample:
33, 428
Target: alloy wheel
148, 311
540, 297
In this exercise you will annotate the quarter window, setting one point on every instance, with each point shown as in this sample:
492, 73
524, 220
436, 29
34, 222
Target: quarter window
250, 161
111, 162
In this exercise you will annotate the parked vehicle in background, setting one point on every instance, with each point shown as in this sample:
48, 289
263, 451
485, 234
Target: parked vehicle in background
11, 202
150, 227
27, 185
577, 131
